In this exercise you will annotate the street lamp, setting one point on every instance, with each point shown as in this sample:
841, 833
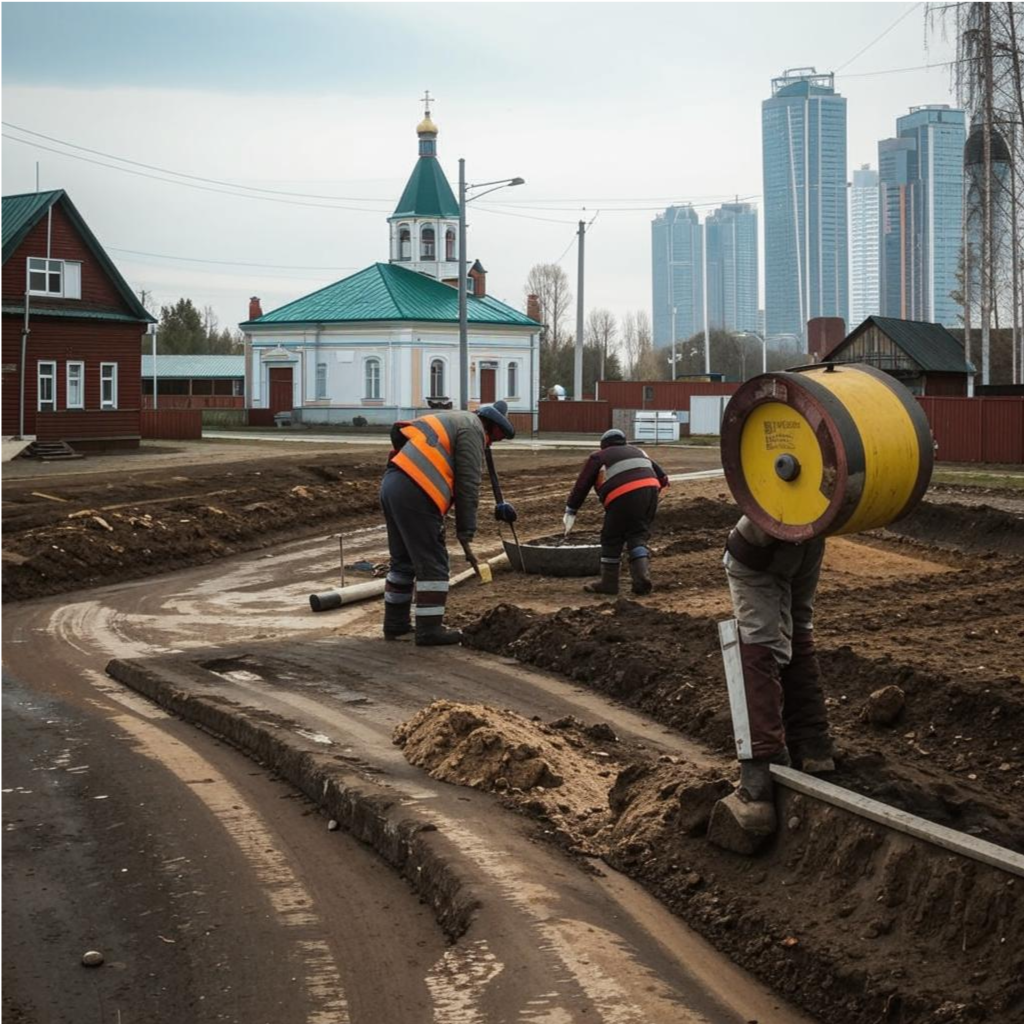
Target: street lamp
491, 186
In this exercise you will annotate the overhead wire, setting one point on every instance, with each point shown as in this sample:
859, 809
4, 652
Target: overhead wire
227, 263
860, 53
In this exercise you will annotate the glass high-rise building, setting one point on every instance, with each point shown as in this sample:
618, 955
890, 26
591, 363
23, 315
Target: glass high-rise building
730, 235
803, 137
921, 182
864, 300
677, 274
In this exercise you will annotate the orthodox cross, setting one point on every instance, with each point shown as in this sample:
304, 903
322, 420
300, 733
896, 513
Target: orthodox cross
426, 103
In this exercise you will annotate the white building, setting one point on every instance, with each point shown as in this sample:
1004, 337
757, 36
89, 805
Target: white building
383, 344
864, 282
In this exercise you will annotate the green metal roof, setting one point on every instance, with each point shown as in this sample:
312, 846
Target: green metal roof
931, 346
71, 312
194, 366
21, 213
386, 292
428, 193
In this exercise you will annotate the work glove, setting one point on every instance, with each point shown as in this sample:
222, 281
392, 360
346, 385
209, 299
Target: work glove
569, 520
505, 513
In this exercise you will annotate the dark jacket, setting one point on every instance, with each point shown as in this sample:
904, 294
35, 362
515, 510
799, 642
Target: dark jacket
614, 471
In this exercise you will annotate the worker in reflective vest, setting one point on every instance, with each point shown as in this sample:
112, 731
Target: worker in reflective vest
436, 464
628, 483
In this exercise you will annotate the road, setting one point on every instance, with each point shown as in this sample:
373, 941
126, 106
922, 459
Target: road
216, 893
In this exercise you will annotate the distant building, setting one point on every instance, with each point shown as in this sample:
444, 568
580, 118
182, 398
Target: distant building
731, 239
864, 298
921, 208
803, 133
194, 382
677, 274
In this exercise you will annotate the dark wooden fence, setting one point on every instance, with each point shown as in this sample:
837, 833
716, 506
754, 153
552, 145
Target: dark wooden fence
575, 417
194, 402
173, 424
977, 429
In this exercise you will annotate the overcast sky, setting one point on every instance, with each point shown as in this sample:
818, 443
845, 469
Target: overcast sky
617, 108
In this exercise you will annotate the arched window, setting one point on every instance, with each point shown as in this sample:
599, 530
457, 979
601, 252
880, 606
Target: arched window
404, 242
513, 380
437, 378
371, 369
427, 251
449, 245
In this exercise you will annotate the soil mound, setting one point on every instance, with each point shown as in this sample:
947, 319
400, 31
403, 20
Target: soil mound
980, 528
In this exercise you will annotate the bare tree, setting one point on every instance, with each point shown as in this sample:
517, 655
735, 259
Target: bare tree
550, 283
601, 332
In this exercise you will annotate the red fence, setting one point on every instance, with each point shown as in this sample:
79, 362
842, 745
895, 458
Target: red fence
977, 429
575, 417
194, 402
173, 424
671, 396
87, 425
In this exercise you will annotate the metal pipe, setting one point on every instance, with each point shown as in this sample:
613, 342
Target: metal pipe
24, 356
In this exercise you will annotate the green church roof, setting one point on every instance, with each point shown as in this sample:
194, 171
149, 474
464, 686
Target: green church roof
428, 193
387, 292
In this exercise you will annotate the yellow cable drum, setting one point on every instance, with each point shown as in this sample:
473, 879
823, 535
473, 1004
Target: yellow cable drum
828, 449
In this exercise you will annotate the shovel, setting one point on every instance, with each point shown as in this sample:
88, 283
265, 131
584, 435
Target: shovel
482, 569
496, 488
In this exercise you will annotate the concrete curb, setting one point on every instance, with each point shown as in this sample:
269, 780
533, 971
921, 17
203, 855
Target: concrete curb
408, 843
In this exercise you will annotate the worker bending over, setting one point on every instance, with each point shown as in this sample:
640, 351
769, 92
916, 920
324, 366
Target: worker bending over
436, 463
628, 483
772, 585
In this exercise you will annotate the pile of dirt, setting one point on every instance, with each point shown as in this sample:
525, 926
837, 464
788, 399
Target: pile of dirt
964, 527
867, 925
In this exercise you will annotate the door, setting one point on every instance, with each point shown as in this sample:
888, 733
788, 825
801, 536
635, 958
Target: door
488, 384
280, 389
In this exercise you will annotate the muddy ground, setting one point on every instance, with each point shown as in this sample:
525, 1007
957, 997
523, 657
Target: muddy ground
161, 510
935, 607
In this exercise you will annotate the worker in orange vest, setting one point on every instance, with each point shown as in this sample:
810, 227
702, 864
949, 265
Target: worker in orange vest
436, 464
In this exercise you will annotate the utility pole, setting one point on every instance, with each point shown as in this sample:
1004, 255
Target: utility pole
987, 254
463, 314
577, 384
672, 376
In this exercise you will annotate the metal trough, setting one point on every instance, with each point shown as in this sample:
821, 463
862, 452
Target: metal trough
545, 557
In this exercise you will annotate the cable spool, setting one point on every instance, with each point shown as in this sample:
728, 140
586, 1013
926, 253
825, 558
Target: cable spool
825, 450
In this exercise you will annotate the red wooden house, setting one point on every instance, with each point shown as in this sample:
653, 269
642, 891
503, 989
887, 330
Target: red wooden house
82, 333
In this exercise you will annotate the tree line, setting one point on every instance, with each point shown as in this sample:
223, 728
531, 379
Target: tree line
184, 330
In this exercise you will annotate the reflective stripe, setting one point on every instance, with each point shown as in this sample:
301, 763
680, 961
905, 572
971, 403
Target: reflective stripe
611, 561
426, 458
432, 585
429, 610
626, 488
626, 464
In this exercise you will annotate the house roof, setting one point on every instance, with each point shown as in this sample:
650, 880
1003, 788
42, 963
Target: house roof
427, 193
931, 346
70, 313
387, 292
194, 366
21, 213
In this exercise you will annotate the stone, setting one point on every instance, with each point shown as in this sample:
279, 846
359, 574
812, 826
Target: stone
332, 826
93, 958
884, 706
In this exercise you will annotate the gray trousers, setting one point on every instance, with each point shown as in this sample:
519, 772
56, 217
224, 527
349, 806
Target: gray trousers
772, 604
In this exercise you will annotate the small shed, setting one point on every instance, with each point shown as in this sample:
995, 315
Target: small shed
194, 382
924, 357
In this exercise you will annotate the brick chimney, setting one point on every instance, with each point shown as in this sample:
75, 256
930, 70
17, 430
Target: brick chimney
255, 309
479, 278
533, 307
823, 334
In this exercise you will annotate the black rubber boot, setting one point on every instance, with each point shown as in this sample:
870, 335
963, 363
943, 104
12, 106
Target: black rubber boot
435, 634
744, 821
609, 581
816, 755
640, 571
397, 620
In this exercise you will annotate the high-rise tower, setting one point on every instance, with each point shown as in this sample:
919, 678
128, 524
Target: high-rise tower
864, 301
731, 239
677, 274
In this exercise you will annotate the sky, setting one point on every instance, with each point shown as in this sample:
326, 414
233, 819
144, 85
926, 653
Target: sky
609, 111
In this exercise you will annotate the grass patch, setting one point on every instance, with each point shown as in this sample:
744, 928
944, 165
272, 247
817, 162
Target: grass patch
979, 478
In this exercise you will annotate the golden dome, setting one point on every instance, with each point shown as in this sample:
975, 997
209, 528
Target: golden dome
426, 127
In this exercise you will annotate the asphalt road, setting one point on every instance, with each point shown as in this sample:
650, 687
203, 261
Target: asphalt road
217, 894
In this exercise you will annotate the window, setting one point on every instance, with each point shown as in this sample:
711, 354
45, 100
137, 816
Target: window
76, 385
108, 385
470, 285
404, 242
55, 278
427, 244
449, 245
47, 386
372, 372
513, 380
72, 280
437, 378
321, 380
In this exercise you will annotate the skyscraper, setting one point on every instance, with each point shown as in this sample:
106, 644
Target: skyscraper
863, 246
803, 135
677, 274
921, 198
731, 240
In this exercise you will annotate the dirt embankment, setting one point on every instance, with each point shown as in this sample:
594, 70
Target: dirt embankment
853, 923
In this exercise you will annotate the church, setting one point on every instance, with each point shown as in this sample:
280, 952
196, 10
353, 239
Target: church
383, 344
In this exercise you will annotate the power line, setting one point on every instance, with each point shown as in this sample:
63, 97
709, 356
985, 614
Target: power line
226, 263
878, 38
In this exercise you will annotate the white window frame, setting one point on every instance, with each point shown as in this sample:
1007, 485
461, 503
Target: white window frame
321, 382
112, 378
428, 249
68, 401
512, 377
51, 404
434, 392
404, 244
72, 279
47, 267
368, 390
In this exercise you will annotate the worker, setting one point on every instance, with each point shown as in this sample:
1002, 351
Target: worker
628, 483
772, 585
436, 463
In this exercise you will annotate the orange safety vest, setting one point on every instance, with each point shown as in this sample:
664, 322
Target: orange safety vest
426, 457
